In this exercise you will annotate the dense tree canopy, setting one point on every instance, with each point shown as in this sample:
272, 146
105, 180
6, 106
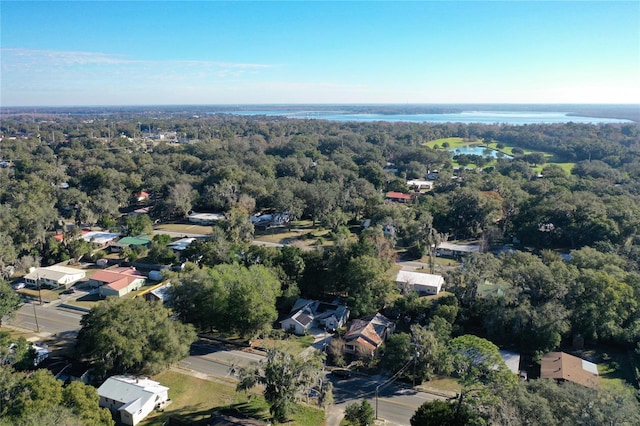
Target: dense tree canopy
228, 297
132, 336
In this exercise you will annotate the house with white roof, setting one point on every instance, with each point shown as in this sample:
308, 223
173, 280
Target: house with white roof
99, 238
54, 276
418, 184
134, 398
456, 251
205, 218
424, 284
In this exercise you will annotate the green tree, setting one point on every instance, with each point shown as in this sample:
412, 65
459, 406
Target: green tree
367, 285
249, 308
83, 400
9, 300
441, 413
360, 414
37, 392
159, 252
16, 352
139, 224
229, 298
285, 377
238, 227
132, 336
480, 370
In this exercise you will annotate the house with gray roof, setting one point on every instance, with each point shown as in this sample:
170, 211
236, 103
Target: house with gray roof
307, 314
133, 398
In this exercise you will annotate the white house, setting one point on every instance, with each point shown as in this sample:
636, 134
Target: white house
99, 238
448, 249
54, 276
422, 283
133, 397
418, 184
307, 314
205, 218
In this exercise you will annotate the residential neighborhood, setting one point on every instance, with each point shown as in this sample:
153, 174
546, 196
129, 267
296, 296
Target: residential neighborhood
285, 278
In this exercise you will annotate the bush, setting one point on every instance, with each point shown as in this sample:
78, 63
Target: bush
360, 414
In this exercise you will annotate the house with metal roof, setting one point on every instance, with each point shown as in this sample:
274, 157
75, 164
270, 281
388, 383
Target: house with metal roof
117, 281
455, 250
122, 243
133, 398
54, 276
423, 284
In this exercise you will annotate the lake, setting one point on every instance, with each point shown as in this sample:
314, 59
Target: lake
467, 117
482, 151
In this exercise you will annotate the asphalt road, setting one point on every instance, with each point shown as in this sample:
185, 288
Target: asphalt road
396, 404
46, 318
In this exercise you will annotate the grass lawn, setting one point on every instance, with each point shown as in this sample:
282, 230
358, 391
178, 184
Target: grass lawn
194, 399
443, 383
46, 294
306, 236
184, 228
453, 142
615, 367
292, 344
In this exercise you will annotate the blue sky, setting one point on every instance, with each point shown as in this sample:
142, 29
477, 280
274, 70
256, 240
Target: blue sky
241, 52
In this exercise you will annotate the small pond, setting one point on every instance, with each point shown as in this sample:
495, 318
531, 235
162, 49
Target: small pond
482, 151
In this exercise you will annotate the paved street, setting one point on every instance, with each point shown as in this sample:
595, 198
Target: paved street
396, 404
46, 318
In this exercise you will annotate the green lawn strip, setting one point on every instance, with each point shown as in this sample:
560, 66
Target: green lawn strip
453, 142
441, 385
193, 400
292, 344
46, 294
184, 228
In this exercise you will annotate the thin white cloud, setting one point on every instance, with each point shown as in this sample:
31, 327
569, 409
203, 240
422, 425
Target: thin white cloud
19, 56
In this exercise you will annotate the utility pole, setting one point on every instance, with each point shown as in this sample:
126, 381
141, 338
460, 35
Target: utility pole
391, 380
36, 318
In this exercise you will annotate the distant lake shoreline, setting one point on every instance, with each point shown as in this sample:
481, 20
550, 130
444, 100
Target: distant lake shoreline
508, 114
466, 117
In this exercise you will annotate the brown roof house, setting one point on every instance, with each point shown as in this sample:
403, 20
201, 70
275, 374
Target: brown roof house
398, 197
117, 281
562, 366
367, 334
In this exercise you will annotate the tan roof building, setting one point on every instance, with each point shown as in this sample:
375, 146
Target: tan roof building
366, 335
562, 366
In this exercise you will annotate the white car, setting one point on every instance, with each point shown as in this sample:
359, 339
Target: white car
18, 286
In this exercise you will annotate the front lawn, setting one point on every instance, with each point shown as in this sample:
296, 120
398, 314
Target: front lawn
291, 343
193, 400
453, 142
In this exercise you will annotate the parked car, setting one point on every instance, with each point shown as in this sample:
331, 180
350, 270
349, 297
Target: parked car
69, 291
18, 286
341, 373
